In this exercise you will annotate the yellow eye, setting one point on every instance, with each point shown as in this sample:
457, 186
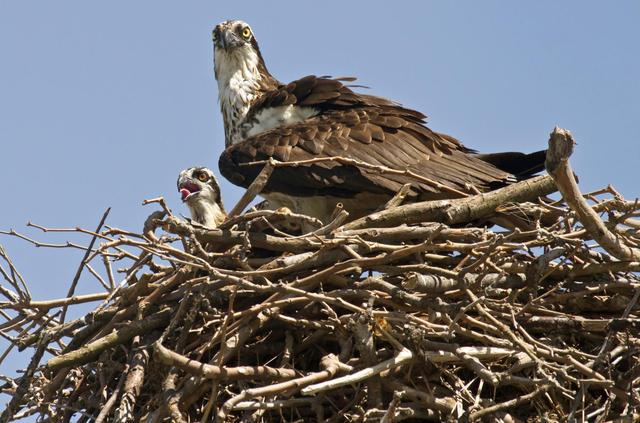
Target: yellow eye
246, 33
202, 177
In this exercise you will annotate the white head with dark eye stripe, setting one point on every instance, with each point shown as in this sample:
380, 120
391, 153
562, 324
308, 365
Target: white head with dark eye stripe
200, 191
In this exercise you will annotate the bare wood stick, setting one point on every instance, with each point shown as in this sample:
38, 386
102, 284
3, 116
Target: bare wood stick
24, 383
330, 363
404, 356
445, 405
76, 278
132, 384
398, 198
39, 244
273, 405
172, 398
364, 341
434, 284
389, 415
557, 164
480, 353
161, 201
338, 220
508, 404
220, 373
459, 210
272, 216
16, 279
254, 189
104, 412
76, 299
92, 350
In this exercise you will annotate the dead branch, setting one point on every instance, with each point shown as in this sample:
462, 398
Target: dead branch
557, 164
254, 189
460, 210
223, 374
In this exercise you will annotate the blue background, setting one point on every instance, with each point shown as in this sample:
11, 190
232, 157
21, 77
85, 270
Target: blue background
103, 103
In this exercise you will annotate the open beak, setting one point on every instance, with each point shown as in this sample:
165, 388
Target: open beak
187, 188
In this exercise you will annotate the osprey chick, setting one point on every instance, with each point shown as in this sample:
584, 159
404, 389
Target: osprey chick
317, 119
200, 191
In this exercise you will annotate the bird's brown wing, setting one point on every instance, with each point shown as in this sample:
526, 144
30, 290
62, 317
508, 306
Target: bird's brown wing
324, 94
383, 135
308, 91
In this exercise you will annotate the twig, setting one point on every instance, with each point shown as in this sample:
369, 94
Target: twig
254, 189
104, 412
77, 299
401, 358
508, 404
223, 374
330, 363
76, 278
92, 350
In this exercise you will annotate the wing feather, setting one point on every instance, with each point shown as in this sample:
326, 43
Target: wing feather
399, 146
361, 127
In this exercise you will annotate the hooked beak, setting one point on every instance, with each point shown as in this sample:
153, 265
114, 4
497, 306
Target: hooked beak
226, 39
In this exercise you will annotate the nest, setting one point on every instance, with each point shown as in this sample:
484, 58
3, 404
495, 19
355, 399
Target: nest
388, 318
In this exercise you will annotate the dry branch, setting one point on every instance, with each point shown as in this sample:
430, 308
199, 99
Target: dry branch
557, 164
461, 210
223, 374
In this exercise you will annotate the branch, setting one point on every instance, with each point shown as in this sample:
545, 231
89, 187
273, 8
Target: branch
331, 366
560, 148
92, 350
254, 189
76, 278
219, 373
48, 304
404, 356
459, 210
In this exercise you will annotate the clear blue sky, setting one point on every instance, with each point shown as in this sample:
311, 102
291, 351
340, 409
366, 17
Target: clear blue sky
103, 103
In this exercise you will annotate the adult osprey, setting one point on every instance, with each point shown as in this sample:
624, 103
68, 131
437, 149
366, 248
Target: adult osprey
200, 191
322, 118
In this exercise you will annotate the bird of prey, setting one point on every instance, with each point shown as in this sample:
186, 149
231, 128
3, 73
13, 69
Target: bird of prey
351, 148
199, 189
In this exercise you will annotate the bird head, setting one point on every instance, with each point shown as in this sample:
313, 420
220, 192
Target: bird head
234, 35
198, 184
235, 48
199, 189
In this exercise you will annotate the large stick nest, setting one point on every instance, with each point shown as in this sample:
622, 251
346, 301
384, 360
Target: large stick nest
352, 322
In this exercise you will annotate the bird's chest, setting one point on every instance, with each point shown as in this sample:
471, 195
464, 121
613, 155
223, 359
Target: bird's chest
236, 96
241, 122
273, 117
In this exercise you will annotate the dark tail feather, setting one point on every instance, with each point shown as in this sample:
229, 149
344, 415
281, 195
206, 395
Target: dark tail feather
521, 165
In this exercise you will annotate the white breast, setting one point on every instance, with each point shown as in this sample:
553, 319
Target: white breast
274, 117
206, 212
238, 84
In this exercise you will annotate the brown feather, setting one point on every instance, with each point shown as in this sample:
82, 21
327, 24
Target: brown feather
346, 125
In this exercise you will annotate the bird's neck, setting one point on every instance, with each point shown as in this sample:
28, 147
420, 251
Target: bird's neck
242, 77
207, 213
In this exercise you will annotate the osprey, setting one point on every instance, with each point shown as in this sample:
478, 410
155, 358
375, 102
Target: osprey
199, 189
353, 148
